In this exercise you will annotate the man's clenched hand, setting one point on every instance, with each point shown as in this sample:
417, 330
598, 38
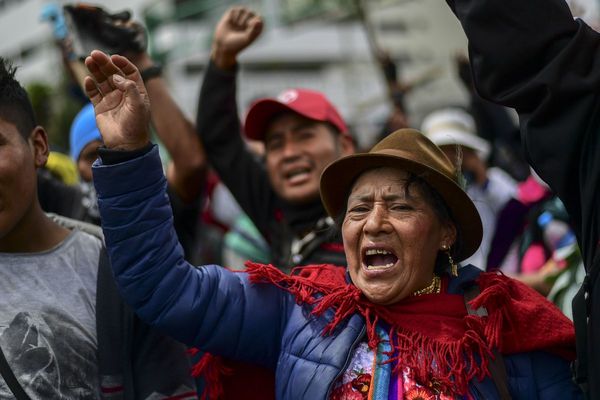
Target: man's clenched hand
236, 30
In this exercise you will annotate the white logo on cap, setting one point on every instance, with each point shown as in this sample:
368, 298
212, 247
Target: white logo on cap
288, 96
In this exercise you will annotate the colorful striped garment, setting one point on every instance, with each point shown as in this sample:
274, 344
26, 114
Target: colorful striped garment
370, 377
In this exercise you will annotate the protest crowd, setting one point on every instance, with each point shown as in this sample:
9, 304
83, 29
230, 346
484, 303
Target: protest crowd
274, 256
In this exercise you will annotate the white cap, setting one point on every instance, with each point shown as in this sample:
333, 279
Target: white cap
452, 126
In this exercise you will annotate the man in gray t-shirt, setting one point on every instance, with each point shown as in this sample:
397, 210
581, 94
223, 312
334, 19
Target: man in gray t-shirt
48, 318
52, 280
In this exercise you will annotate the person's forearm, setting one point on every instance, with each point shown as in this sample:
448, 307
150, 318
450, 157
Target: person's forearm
511, 41
219, 129
145, 268
197, 306
532, 56
222, 59
217, 120
176, 132
178, 135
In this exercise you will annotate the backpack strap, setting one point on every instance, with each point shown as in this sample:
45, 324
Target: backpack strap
112, 326
583, 367
581, 313
11, 380
301, 249
496, 364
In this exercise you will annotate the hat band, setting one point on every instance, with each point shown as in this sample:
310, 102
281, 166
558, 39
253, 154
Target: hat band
431, 163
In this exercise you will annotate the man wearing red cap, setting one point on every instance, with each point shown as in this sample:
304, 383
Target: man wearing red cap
302, 133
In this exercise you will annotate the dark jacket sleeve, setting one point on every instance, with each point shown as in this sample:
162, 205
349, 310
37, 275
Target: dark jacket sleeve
160, 365
218, 126
533, 56
210, 308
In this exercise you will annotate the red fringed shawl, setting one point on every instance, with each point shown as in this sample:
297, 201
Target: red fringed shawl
433, 334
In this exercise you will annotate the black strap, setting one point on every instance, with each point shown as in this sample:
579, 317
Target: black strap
112, 322
580, 318
320, 234
153, 71
496, 364
11, 380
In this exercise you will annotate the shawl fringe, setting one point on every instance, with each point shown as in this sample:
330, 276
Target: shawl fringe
211, 368
446, 361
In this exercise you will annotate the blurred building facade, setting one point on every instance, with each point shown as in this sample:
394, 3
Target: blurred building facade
306, 43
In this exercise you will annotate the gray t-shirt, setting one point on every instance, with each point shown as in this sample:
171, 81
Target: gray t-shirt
47, 319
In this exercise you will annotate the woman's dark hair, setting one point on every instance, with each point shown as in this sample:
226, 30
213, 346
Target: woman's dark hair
15, 106
439, 207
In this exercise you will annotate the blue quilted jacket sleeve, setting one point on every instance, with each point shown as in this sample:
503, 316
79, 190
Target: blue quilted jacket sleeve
210, 307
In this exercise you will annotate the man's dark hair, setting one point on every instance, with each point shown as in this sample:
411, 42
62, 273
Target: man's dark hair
15, 106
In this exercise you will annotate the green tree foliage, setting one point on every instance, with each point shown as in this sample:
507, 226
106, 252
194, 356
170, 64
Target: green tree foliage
55, 108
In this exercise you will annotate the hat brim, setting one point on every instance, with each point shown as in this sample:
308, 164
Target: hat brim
338, 177
260, 114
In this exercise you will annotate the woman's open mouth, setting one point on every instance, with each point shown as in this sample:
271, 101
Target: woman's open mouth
379, 259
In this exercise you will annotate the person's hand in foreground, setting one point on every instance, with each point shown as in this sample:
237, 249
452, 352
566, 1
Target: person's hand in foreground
120, 101
236, 30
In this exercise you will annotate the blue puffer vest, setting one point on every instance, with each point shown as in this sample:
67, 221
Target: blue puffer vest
223, 313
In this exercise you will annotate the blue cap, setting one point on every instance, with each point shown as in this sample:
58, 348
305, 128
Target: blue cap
83, 131
544, 219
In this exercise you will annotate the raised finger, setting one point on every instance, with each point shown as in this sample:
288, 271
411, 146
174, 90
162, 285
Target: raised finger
93, 65
245, 17
255, 24
129, 70
91, 90
94, 70
236, 15
105, 63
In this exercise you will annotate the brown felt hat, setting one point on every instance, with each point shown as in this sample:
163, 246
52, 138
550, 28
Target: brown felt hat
409, 150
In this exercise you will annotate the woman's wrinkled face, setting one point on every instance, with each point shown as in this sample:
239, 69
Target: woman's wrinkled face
391, 236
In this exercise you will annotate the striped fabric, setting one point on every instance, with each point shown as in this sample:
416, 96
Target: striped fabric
383, 384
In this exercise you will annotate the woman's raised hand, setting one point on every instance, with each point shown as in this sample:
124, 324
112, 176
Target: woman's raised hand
120, 101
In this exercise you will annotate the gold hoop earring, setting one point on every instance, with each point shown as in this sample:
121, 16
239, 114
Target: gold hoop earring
453, 266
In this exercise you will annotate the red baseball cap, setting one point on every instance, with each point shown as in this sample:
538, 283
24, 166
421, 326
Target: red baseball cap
308, 103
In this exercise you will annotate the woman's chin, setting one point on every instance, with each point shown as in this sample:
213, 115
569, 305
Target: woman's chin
384, 296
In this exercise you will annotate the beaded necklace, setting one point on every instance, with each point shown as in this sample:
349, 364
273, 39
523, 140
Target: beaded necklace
434, 287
